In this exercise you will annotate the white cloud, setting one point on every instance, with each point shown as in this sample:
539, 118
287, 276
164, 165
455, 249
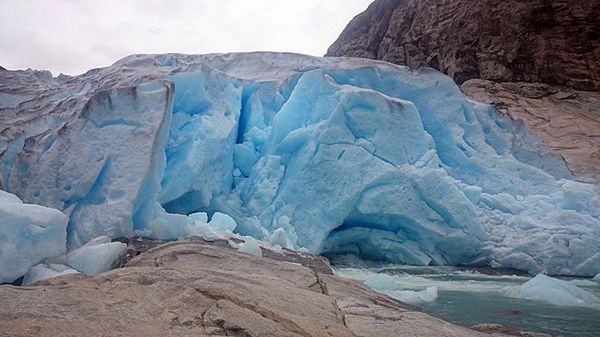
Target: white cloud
72, 36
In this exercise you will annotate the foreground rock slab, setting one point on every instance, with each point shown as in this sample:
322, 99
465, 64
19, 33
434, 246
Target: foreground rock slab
193, 288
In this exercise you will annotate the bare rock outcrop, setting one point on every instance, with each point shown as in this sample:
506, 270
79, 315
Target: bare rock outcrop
192, 288
555, 42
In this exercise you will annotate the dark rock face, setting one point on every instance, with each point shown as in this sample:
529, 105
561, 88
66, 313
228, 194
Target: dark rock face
550, 41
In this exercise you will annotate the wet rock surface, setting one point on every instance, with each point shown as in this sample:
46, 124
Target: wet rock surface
497, 328
195, 288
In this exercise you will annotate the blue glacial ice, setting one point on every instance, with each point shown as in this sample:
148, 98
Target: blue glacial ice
28, 235
250, 246
392, 286
381, 281
557, 292
45, 271
429, 294
336, 155
97, 256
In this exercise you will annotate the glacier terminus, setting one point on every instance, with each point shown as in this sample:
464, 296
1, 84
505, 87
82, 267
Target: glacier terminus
334, 155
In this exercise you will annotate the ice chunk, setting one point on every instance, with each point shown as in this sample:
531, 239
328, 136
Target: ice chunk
98, 241
199, 217
279, 238
430, 294
597, 277
97, 256
381, 281
409, 289
250, 246
28, 234
174, 226
221, 222
45, 271
557, 291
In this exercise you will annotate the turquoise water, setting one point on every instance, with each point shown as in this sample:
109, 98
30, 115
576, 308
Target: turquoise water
473, 296
468, 309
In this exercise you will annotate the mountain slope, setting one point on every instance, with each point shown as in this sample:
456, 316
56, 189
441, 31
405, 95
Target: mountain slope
554, 42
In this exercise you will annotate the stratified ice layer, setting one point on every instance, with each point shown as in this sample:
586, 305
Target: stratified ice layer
336, 155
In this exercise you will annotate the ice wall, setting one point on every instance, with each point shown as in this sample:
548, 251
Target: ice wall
343, 155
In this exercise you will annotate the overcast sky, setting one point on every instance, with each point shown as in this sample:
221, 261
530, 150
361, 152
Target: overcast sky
72, 36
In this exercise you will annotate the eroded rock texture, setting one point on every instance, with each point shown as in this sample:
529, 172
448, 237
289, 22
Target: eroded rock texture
555, 42
192, 288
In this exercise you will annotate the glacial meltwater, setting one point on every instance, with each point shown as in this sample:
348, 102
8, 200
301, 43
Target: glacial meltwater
470, 296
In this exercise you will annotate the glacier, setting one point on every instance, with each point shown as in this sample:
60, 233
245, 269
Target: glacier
335, 155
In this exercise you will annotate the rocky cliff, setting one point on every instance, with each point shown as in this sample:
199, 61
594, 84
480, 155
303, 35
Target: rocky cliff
555, 42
